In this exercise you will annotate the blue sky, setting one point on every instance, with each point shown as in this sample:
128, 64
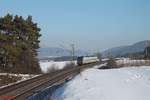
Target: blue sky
89, 24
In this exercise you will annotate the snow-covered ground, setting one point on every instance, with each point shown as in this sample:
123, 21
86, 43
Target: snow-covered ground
45, 66
130, 62
113, 84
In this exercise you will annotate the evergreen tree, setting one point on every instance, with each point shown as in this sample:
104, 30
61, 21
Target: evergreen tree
18, 44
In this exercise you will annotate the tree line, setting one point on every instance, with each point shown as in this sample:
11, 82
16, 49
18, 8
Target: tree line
19, 41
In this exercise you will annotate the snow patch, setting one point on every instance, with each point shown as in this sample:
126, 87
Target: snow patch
99, 66
45, 66
113, 84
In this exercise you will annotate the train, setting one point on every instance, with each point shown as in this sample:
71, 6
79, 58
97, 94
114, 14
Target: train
82, 60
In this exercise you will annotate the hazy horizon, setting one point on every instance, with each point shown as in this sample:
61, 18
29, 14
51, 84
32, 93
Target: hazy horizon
92, 51
89, 24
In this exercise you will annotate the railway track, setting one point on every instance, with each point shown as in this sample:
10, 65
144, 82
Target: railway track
23, 89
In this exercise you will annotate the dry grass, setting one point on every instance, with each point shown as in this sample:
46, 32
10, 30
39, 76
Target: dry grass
7, 79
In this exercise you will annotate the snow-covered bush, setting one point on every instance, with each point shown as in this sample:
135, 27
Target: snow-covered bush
52, 69
111, 63
69, 65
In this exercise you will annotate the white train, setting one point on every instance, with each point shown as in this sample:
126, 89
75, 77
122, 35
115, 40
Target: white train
86, 60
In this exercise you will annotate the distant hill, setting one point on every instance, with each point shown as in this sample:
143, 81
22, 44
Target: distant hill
122, 50
55, 52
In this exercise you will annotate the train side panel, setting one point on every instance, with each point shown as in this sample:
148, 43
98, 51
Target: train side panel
87, 60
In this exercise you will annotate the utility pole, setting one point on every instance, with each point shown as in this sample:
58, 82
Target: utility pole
73, 51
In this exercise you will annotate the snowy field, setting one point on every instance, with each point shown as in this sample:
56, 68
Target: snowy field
130, 62
45, 66
114, 84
